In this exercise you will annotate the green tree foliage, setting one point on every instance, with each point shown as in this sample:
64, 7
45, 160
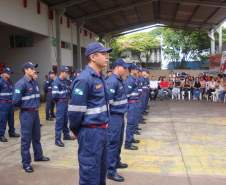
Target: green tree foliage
137, 43
178, 45
181, 45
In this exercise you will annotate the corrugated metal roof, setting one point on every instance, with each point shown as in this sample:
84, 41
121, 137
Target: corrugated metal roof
114, 16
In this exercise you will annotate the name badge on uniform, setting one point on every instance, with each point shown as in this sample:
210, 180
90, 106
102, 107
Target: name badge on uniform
98, 86
37, 88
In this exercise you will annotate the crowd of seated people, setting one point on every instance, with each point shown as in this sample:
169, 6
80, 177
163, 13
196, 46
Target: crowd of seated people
187, 87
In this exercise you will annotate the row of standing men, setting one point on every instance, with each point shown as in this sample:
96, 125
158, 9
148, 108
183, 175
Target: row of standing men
96, 111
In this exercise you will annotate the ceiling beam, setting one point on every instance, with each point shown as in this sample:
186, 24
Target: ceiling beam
114, 9
210, 16
122, 14
178, 24
175, 14
137, 14
197, 2
67, 4
100, 7
192, 15
156, 10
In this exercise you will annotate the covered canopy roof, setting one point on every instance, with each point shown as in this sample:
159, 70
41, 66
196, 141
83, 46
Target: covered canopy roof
115, 16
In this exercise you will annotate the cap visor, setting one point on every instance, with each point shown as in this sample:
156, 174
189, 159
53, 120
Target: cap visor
108, 50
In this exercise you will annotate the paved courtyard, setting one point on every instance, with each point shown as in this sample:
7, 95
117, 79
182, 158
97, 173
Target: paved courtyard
183, 143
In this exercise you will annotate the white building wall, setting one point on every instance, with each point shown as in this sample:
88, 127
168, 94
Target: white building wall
65, 31
12, 12
66, 57
16, 57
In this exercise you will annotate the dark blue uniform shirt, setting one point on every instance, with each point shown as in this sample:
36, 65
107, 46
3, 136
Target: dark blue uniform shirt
6, 93
132, 88
26, 93
88, 103
60, 89
116, 94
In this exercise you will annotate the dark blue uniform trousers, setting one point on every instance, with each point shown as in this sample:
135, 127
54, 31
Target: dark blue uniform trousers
49, 107
139, 111
61, 120
146, 99
92, 156
30, 132
143, 101
114, 141
132, 122
121, 139
7, 115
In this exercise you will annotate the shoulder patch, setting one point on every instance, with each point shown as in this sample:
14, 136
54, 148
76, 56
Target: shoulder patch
17, 91
78, 92
112, 90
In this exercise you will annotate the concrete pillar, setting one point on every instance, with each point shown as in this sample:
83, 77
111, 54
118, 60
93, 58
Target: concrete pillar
79, 54
220, 39
72, 48
58, 13
212, 48
155, 55
158, 55
152, 55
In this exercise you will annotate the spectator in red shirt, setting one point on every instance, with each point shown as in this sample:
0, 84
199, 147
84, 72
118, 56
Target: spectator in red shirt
164, 86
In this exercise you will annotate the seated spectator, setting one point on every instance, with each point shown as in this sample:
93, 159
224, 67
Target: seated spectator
196, 89
176, 88
153, 84
211, 84
203, 85
186, 89
219, 90
164, 86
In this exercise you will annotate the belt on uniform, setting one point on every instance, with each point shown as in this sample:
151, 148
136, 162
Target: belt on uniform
30, 109
133, 101
6, 101
62, 100
103, 125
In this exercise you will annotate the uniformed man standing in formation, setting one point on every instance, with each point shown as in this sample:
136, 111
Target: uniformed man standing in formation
140, 82
27, 97
6, 105
61, 95
145, 91
89, 116
133, 108
118, 107
49, 99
